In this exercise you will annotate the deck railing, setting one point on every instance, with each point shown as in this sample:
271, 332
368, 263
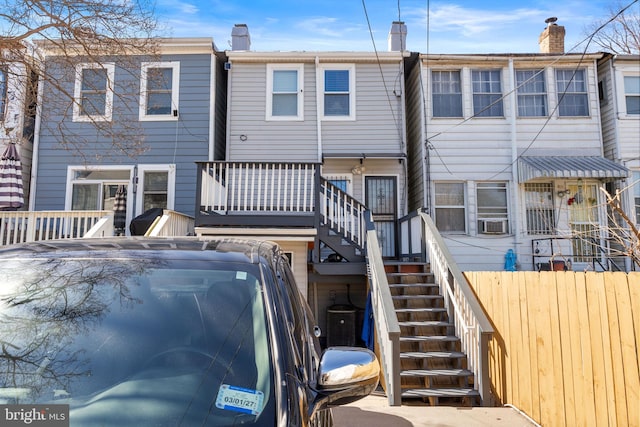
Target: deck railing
228, 187
472, 326
386, 321
171, 223
30, 226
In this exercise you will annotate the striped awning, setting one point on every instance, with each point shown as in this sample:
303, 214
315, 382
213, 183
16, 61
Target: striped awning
532, 167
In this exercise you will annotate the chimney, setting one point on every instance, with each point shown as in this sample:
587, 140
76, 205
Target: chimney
397, 37
240, 39
551, 40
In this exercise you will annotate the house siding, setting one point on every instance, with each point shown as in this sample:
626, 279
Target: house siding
416, 144
180, 142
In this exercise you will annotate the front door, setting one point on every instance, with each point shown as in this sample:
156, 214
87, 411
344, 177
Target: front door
381, 198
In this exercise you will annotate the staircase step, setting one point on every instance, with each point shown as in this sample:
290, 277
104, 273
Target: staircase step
420, 296
440, 392
409, 274
418, 338
436, 373
421, 310
412, 285
431, 323
432, 355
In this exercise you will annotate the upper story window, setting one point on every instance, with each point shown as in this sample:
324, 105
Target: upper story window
487, 93
447, 93
338, 86
572, 93
285, 92
159, 90
93, 94
532, 93
3, 91
632, 94
450, 207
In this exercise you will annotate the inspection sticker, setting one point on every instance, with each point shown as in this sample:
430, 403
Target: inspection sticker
239, 399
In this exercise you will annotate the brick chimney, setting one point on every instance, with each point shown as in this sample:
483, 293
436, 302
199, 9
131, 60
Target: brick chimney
551, 40
397, 39
240, 39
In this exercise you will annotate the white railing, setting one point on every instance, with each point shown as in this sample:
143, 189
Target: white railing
471, 323
386, 321
30, 226
342, 213
228, 187
172, 223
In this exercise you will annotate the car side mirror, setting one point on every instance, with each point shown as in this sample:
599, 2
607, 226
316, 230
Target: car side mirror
346, 374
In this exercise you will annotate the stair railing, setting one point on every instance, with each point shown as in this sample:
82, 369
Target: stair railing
472, 326
386, 321
342, 213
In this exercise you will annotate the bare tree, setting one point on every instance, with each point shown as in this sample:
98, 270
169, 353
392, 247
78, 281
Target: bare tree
620, 31
47, 39
623, 232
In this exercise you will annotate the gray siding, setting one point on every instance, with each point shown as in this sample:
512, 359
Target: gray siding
181, 142
417, 175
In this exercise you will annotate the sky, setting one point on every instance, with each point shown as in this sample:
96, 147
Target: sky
460, 26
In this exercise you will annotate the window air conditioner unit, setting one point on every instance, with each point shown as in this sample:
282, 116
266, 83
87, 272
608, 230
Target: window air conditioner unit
493, 226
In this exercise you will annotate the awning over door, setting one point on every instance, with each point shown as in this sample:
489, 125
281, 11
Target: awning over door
530, 167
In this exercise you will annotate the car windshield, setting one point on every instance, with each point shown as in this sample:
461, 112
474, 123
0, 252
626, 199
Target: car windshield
129, 341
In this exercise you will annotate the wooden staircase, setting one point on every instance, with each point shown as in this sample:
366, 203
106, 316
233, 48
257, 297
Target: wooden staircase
432, 367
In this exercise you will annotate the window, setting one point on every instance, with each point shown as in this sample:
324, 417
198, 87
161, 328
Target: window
447, 93
93, 94
492, 207
602, 92
539, 205
449, 207
632, 94
338, 101
285, 92
156, 185
487, 93
532, 93
159, 90
3, 91
572, 93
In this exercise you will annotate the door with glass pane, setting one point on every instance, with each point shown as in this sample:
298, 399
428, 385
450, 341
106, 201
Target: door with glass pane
381, 198
585, 224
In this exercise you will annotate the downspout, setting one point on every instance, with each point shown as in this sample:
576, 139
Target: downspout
318, 120
227, 150
514, 158
212, 106
36, 135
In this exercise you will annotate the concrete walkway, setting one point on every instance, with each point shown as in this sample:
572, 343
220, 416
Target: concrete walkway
374, 411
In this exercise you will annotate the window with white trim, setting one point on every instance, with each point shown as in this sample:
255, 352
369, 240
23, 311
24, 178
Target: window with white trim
492, 210
446, 88
532, 93
450, 207
3, 91
93, 92
159, 90
338, 88
487, 93
572, 95
285, 92
156, 187
632, 94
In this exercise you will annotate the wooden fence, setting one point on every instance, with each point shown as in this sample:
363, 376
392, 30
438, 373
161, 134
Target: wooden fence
566, 344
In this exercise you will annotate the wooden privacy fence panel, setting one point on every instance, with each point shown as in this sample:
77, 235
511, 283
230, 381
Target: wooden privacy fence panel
566, 344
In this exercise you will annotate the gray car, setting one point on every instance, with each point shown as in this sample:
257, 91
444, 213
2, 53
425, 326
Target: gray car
165, 332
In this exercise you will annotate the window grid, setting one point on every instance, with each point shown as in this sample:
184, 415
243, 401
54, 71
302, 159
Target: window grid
572, 93
336, 93
159, 90
447, 93
539, 208
487, 93
449, 207
285, 93
532, 93
93, 92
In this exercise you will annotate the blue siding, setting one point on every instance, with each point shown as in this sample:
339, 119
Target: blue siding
180, 142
